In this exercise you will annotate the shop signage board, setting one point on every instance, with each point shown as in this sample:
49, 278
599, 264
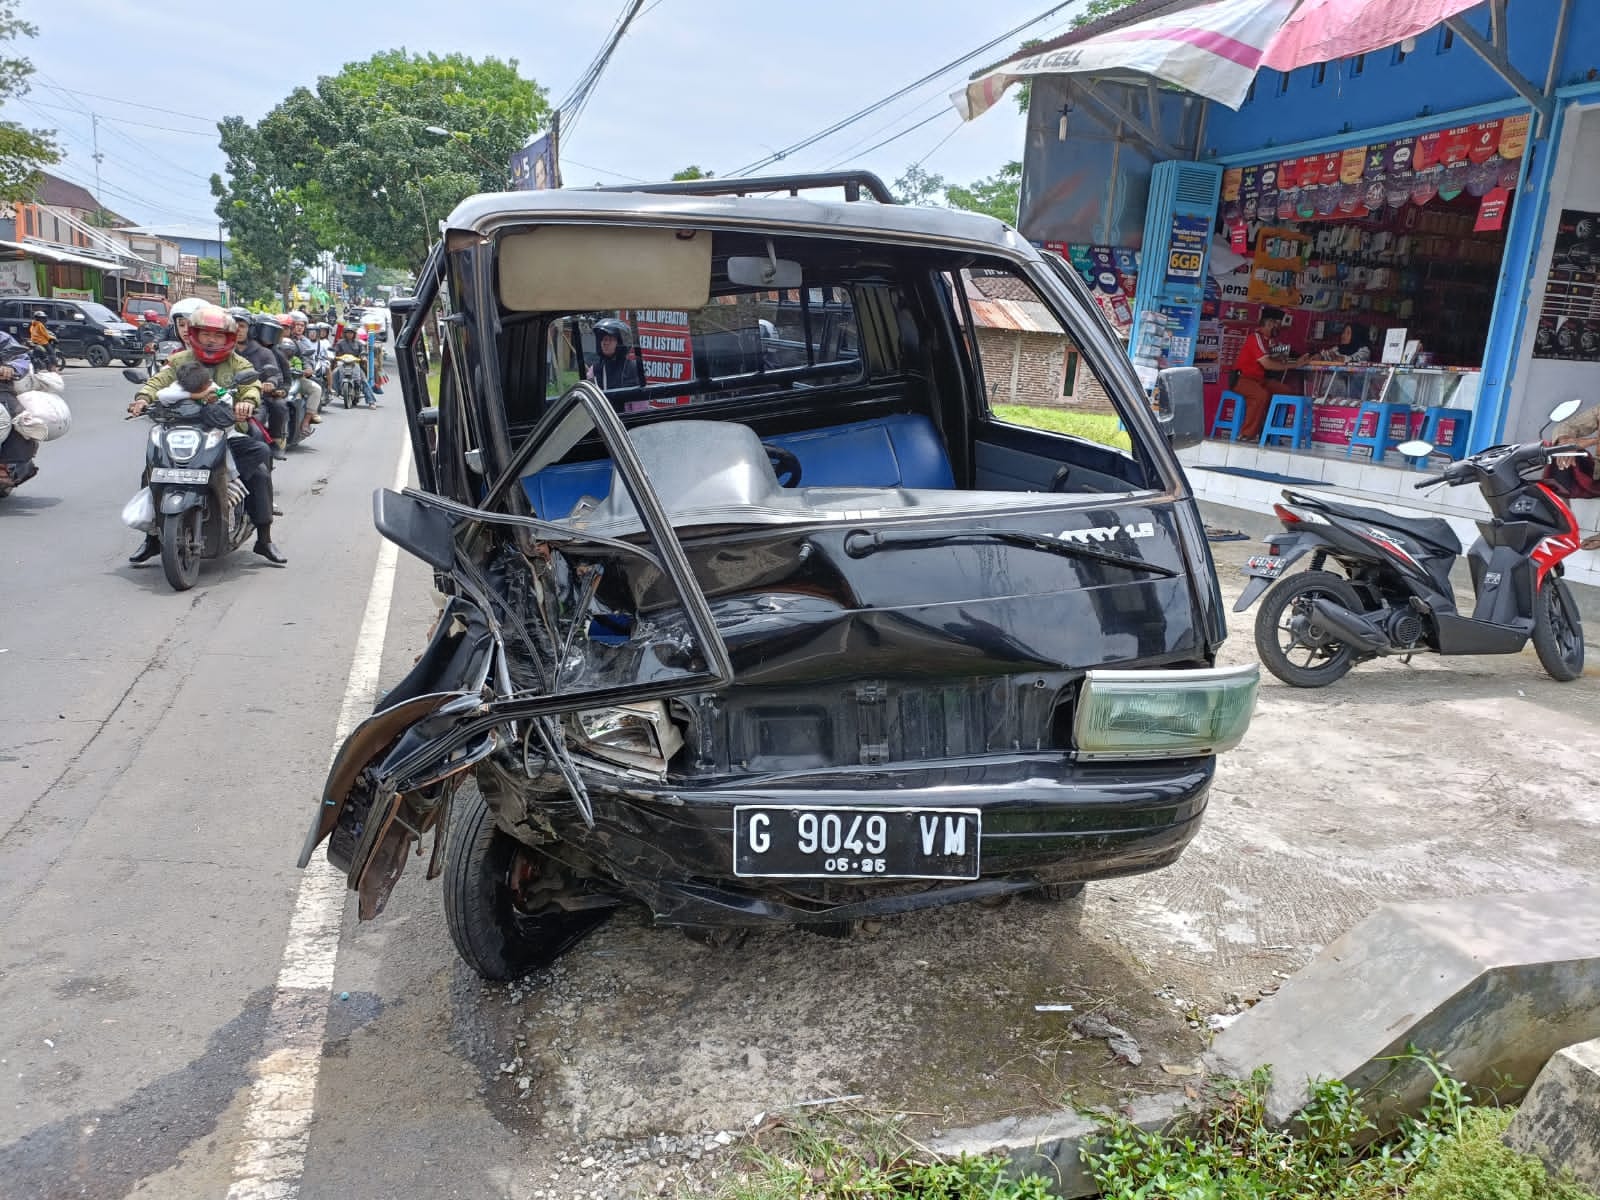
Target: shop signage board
1569, 323
61, 293
1281, 254
1186, 257
666, 350
18, 278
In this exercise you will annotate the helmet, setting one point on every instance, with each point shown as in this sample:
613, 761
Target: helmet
285, 320
611, 327
206, 319
187, 308
265, 329
297, 317
38, 316
240, 314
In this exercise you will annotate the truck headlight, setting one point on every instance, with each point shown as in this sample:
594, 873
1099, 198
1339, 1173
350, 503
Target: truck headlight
1147, 714
630, 735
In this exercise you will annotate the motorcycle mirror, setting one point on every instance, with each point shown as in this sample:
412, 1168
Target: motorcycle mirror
1564, 410
1417, 449
246, 376
132, 376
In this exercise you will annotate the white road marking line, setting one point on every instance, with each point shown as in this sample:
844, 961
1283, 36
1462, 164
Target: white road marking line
277, 1126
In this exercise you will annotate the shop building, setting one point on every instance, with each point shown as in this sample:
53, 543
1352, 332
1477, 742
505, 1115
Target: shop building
1440, 194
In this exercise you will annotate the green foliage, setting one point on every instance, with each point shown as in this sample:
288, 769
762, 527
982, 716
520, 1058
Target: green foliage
351, 166
1092, 427
917, 186
22, 151
692, 172
819, 1165
1477, 1165
999, 195
1450, 1151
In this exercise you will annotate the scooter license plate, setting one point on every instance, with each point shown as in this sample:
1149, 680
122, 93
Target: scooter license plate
179, 475
805, 842
1264, 566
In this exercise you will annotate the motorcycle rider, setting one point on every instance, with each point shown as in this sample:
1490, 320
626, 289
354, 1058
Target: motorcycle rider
613, 369
181, 312
16, 452
39, 335
305, 350
258, 334
213, 338
348, 344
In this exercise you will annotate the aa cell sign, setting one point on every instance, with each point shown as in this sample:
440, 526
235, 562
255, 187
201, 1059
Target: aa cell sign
533, 168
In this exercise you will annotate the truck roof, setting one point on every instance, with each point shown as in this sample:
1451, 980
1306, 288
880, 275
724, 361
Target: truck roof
485, 213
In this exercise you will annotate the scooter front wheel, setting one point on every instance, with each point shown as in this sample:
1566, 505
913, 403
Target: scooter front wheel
1558, 630
180, 549
1280, 638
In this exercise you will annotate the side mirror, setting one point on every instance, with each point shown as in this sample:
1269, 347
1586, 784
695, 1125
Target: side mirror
774, 274
1180, 405
77, 316
133, 376
1564, 410
428, 418
249, 375
415, 527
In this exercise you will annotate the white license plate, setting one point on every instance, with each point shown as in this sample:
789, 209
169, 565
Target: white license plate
179, 475
1264, 566
807, 842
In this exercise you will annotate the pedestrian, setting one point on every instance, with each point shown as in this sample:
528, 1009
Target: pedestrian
1256, 359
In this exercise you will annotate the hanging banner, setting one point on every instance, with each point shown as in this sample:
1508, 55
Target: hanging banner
1352, 164
533, 168
666, 351
1492, 212
1485, 141
1514, 136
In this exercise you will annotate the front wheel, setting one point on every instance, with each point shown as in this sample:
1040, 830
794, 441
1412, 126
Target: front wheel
97, 356
1283, 624
1558, 630
180, 549
490, 883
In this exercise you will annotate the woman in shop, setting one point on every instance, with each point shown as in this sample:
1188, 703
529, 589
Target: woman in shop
1255, 360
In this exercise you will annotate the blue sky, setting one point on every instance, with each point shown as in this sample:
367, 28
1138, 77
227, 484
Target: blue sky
713, 82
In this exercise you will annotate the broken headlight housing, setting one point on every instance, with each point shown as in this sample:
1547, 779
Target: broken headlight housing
1149, 714
631, 735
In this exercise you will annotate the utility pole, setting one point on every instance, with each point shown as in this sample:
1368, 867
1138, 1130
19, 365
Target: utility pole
94, 128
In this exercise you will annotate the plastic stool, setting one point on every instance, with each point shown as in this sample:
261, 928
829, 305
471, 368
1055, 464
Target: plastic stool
1461, 418
1380, 439
1289, 417
1232, 422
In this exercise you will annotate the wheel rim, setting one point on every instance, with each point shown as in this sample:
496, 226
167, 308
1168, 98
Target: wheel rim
189, 545
1562, 628
1316, 657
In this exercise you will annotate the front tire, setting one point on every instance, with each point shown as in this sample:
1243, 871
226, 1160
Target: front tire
1558, 630
180, 549
97, 356
490, 931
1276, 643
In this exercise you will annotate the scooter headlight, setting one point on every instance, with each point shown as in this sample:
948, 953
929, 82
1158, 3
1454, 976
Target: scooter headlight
630, 735
183, 444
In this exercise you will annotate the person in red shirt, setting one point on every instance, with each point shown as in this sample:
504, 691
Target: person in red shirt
1255, 360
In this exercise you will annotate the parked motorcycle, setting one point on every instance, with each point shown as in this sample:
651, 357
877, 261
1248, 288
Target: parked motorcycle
195, 512
1394, 596
347, 380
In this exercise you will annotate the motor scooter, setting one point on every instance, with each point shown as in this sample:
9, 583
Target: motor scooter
347, 380
195, 493
1394, 596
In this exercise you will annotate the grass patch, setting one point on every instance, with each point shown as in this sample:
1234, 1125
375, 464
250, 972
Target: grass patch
1092, 427
1450, 1151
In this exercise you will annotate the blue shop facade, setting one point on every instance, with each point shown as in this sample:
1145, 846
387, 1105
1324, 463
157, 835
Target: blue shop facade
1441, 196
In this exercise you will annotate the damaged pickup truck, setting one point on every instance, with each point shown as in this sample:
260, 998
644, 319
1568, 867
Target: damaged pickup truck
756, 609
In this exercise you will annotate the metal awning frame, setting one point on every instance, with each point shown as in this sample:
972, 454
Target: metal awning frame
1496, 51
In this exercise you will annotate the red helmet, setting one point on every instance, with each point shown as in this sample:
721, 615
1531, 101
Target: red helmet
286, 320
212, 320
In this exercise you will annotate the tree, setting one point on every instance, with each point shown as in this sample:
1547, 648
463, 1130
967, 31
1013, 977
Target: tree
999, 195
267, 222
356, 157
917, 186
692, 172
22, 151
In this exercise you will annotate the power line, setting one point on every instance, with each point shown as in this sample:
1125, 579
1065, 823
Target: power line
171, 112
898, 136
602, 170
205, 133
778, 155
591, 77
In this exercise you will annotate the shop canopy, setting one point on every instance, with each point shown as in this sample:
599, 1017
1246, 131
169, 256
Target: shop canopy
1215, 49
63, 256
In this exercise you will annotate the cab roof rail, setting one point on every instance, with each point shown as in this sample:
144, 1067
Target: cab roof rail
853, 182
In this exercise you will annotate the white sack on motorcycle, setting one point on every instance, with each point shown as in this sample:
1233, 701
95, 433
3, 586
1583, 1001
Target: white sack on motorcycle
49, 381
140, 512
44, 416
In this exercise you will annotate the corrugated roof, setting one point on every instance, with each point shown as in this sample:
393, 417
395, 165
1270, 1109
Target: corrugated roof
63, 193
1022, 316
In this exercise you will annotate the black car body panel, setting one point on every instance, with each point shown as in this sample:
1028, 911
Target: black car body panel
827, 579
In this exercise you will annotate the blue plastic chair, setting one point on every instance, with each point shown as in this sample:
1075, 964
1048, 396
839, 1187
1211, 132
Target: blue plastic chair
1381, 439
1289, 417
1461, 419
1230, 416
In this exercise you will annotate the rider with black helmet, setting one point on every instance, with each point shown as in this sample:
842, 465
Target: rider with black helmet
613, 369
262, 333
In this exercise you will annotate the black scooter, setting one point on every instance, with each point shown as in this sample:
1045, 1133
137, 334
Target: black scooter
1394, 596
196, 514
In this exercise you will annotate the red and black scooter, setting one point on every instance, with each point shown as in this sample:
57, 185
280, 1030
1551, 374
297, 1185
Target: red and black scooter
1392, 593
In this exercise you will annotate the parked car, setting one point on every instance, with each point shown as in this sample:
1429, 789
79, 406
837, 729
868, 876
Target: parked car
139, 311
83, 329
771, 635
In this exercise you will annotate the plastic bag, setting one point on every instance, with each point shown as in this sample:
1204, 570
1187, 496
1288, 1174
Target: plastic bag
140, 512
5, 423
49, 381
44, 416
